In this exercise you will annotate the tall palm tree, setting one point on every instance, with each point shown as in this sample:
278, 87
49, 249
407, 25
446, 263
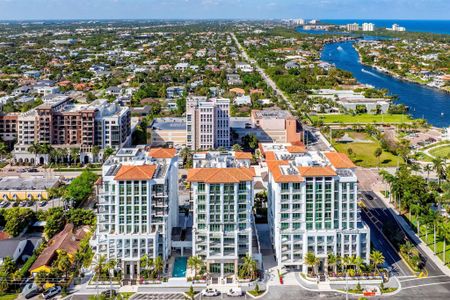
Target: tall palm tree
248, 268
428, 168
95, 152
444, 232
332, 261
74, 154
312, 261
100, 265
359, 262
158, 265
195, 263
35, 149
377, 258
439, 167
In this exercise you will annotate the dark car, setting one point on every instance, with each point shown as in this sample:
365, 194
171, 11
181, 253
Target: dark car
369, 196
109, 293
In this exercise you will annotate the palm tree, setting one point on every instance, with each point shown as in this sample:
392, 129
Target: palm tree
74, 154
377, 258
95, 152
63, 263
146, 264
158, 265
428, 168
439, 167
35, 149
332, 261
444, 232
100, 266
248, 268
359, 262
237, 148
195, 263
312, 261
111, 266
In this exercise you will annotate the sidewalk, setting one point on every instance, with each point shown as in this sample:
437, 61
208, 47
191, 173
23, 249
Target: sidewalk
412, 234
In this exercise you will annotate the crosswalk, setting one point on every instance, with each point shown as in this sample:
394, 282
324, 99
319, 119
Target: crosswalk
158, 296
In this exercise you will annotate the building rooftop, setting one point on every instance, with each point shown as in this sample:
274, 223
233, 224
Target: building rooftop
16, 183
169, 124
271, 114
293, 163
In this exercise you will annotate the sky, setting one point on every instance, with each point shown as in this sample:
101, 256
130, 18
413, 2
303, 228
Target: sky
224, 9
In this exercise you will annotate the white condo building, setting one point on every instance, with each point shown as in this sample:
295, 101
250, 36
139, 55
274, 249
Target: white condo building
207, 123
137, 206
312, 198
222, 202
368, 27
353, 27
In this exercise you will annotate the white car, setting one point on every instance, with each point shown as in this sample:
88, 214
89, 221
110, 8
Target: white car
210, 292
51, 292
235, 292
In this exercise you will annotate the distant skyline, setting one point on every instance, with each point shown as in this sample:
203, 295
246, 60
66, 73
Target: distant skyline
224, 9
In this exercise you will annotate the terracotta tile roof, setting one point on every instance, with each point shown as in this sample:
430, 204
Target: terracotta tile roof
296, 149
270, 155
144, 172
278, 176
339, 160
316, 171
242, 155
66, 240
163, 152
221, 175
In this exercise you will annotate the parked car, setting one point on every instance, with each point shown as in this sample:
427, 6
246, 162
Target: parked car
51, 292
15, 204
109, 293
30, 290
23, 203
210, 292
42, 203
30, 203
235, 292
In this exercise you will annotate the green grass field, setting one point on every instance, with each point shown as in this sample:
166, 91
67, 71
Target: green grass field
8, 296
364, 152
361, 119
442, 151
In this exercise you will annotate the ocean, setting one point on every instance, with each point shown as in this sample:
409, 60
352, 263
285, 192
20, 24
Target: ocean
434, 26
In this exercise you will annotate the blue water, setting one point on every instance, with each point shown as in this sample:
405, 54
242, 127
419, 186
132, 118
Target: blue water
424, 102
434, 26
179, 267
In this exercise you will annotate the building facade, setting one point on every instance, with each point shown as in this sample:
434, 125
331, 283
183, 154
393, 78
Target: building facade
65, 124
137, 206
312, 198
222, 202
280, 126
207, 123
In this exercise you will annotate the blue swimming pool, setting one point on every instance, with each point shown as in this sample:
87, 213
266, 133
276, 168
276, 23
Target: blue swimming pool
179, 266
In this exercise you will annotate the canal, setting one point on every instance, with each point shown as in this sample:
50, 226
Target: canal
424, 102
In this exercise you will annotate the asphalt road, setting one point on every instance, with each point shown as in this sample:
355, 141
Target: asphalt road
379, 214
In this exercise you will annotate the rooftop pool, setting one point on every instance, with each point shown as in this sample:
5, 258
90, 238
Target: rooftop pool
179, 267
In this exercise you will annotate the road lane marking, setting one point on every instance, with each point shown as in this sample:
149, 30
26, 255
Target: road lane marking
426, 284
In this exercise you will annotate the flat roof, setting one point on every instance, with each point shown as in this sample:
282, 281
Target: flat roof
169, 124
25, 184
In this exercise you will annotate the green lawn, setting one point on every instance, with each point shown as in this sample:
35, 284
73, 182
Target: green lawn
430, 240
363, 154
442, 151
8, 296
361, 119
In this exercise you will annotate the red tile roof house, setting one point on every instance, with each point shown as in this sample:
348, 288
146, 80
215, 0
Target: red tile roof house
67, 240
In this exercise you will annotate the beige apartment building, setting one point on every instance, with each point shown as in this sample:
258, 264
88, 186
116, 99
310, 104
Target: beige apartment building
280, 126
